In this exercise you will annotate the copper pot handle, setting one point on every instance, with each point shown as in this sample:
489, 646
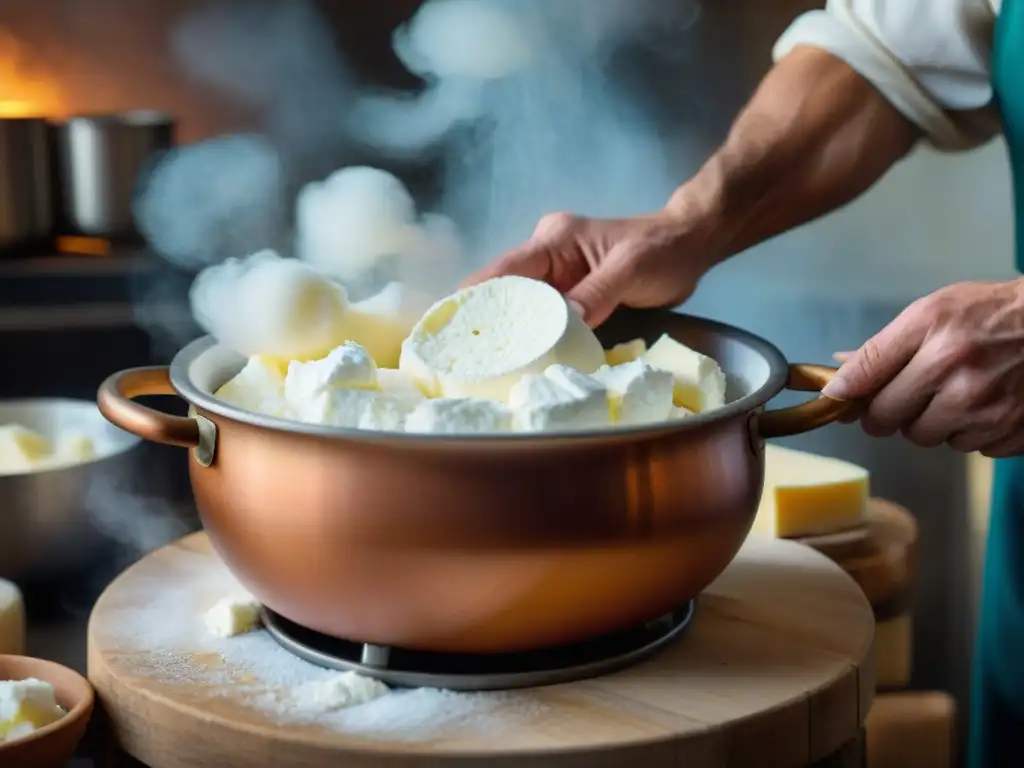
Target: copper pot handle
804, 377
116, 400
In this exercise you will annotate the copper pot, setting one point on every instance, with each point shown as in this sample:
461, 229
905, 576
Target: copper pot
487, 544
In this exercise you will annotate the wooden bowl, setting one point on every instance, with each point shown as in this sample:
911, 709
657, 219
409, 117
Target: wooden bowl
54, 745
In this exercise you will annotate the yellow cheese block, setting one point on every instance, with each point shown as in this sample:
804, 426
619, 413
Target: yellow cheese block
809, 495
893, 652
626, 352
276, 364
21, 448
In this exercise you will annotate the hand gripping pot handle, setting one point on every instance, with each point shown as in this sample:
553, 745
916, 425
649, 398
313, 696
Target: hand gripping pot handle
804, 377
116, 400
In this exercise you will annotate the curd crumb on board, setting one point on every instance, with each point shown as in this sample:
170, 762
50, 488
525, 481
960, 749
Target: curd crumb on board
233, 616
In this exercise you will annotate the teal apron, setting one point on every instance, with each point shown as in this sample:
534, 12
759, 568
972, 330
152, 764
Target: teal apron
997, 716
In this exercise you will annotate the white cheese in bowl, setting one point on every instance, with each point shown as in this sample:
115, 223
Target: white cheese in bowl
24, 450
25, 707
637, 393
480, 341
355, 409
258, 387
679, 412
398, 384
343, 389
508, 354
454, 416
560, 399
348, 366
699, 381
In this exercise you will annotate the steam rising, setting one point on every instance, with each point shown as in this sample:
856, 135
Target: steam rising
277, 58
456, 46
213, 200
463, 39
264, 304
353, 219
362, 222
139, 522
517, 101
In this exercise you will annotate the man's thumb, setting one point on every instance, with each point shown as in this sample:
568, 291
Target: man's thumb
598, 294
866, 371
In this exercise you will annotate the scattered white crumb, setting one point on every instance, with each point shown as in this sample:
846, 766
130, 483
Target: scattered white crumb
233, 616
163, 634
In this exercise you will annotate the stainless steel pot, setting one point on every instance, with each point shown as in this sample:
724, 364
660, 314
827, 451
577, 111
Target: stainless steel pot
100, 159
46, 530
26, 201
491, 544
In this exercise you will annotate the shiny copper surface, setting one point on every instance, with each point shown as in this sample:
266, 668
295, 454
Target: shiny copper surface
492, 544
803, 377
116, 401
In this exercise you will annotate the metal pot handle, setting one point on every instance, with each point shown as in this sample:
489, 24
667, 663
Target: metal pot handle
116, 402
804, 377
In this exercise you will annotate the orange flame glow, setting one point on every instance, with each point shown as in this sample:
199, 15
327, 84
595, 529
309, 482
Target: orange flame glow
25, 90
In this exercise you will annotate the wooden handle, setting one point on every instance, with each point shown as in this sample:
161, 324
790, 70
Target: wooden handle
804, 377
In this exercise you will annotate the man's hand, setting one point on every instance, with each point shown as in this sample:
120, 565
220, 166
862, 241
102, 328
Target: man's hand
949, 369
815, 136
647, 261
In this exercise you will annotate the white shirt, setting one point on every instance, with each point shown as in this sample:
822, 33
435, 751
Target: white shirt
929, 58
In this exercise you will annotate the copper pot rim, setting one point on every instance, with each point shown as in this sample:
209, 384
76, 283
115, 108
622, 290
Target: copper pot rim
181, 379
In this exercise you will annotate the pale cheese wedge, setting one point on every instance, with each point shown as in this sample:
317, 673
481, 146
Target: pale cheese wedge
626, 352
395, 383
637, 393
258, 387
810, 495
699, 381
382, 322
21, 449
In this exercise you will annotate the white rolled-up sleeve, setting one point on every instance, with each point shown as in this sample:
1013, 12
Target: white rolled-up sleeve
929, 58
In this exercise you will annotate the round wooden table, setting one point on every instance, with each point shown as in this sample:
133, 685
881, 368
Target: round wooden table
777, 669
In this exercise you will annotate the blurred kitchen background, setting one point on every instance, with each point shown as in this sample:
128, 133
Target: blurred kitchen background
82, 295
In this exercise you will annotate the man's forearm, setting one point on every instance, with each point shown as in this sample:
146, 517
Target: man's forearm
814, 136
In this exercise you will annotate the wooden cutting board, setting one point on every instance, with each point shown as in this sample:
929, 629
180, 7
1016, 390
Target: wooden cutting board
777, 669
